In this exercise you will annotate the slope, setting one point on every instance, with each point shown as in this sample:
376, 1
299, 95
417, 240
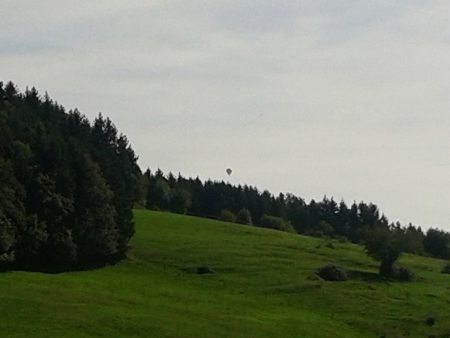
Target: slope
263, 285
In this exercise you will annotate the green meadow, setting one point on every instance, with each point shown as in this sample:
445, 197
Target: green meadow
263, 285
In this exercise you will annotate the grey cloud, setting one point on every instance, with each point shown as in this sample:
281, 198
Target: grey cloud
345, 98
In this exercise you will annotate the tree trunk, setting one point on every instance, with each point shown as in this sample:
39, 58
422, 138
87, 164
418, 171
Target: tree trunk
387, 268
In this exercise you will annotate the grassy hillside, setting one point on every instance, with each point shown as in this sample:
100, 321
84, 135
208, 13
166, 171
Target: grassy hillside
263, 286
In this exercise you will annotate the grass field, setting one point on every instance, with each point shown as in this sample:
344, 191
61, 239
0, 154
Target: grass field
263, 285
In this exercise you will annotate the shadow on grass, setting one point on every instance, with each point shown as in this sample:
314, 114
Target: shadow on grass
60, 268
366, 276
375, 277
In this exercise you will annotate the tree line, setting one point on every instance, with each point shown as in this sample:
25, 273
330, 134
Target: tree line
359, 222
67, 187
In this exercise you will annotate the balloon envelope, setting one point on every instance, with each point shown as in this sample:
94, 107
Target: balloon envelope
229, 171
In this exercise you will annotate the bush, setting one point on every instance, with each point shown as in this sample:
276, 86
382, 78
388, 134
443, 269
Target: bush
331, 272
244, 216
227, 216
446, 268
276, 223
403, 274
384, 245
323, 230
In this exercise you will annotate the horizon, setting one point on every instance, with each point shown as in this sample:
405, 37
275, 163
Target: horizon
346, 100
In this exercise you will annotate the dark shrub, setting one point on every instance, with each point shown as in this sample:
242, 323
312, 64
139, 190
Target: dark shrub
276, 223
331, 272
227, 216
403, 274
446, 268
324, 229
244, 216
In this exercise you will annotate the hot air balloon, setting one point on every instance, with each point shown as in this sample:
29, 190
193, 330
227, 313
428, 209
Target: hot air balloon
229, 171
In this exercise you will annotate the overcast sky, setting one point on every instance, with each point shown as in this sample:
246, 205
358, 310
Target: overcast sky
340, 98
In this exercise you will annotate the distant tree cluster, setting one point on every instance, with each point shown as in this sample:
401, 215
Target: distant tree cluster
67, 187
358, 222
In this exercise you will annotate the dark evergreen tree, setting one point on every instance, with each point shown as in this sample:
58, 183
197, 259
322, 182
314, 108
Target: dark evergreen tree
95, 229
12, 211
66, 188
180, 200
437, 243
